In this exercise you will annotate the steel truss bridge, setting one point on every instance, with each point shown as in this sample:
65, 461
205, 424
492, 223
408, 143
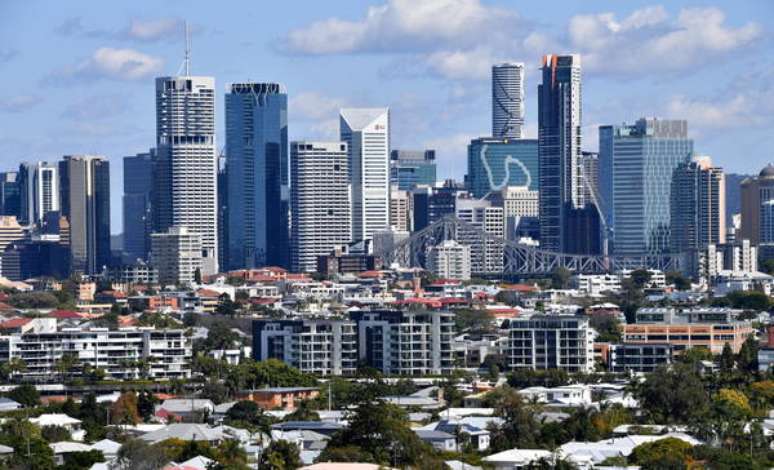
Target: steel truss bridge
517, 259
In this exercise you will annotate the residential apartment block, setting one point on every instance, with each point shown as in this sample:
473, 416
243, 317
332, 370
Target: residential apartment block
550, 342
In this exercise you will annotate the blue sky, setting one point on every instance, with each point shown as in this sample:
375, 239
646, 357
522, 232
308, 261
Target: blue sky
78, 76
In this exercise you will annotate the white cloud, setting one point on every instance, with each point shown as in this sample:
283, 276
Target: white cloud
155, 29
19, 103
311, 105
648, 41
117, 64
736, 111
403, 26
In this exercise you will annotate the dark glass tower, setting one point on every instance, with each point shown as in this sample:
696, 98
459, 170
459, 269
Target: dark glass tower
138, 192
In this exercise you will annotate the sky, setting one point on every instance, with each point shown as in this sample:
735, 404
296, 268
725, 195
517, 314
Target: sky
77, 76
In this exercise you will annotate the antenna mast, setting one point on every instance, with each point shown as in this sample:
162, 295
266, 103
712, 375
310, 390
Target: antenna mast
187, 51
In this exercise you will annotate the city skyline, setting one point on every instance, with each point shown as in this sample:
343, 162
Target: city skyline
100, 97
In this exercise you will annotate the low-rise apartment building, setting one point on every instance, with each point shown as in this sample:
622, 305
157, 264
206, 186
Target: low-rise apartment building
550, 342
629, 357
123, 354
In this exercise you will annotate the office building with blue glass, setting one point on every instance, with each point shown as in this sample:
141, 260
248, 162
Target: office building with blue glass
411, 168
636, 167
494, 164
257, 175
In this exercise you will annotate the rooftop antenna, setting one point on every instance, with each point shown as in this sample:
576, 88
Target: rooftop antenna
186, 65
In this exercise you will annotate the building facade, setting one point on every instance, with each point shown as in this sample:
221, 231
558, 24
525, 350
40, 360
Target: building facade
411, 168
550, 342
449, 260
401, 211
637, 163
257, 172
495, 164
177, 255
698, 205
482, 217
85, 203
559, 148
137, 202
10, 194
507, 100
320, 201
187, 166
367, 134
39, 191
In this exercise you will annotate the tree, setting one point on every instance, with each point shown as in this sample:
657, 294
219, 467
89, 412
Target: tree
215, 391
26, 395
198, 276
124, 410
247, 414
520, 427
640, 278
468, 319
381, 432
747, 359
55, 433
11, 367
670, 449
65, 364
136, 454
608, 327
31, 451
221, 336
81, 460
673, 395
749, 300
560, 278
523, 378
146, 404
226, 306
727, 359
281, 455
678, 280
303, 412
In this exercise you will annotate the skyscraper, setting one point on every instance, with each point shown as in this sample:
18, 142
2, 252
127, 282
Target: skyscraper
187, 165
10, 194
698, 212
367, 134
766, 210
177, 255
138, 192
637, 163
410, 168
751, 206
85, 197
494, 164
257, 175
559, 149
320, 201
507, 100
39, 189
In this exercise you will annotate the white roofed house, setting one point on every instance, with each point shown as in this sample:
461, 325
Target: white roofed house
57, 419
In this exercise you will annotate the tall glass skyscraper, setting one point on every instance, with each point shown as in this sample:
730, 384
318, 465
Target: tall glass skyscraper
39, 191
257, 175
562, 184
637, 163
507, 100
138, 192
10, 194
187, 165
410, 168
85, 198
494, 164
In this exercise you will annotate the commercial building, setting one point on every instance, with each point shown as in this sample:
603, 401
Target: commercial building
137, 202
39, 191
367, 134
10, 231
430, 204
751, 204
559, 147
637, 163
320, 201
484, 232
257, 173
496, 163
85, 203
43, 256
10, 194
124, 354
449, 260
629, 357
187, 164
508, 100
177, 255
698, 205
550, 342
411, 168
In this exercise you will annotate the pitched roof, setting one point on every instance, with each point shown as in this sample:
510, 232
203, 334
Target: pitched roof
185, 432
360, 118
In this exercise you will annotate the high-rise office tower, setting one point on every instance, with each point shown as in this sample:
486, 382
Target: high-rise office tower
751, 205
85, 198
400, 210
138, 194
507, 100
411, 168
495, 164
766, 210
222, 213
320, 201
187, 164
367, 134
10, 232
637, 163
10, 194
257, 175
559, 149
39, 191
698, 212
